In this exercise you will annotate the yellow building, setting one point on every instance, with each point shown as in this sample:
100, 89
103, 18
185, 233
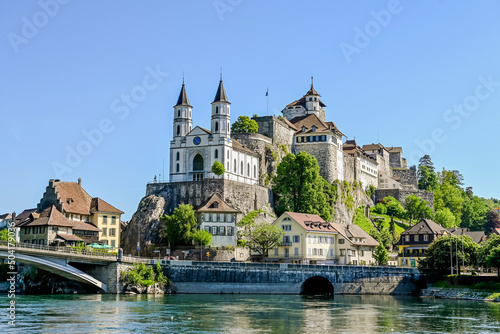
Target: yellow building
309, 239
77, 205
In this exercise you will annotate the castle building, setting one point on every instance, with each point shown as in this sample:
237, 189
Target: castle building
314, 135
193, 151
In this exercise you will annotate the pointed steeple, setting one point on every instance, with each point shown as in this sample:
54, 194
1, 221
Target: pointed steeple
312, 91
220, 96
183, 99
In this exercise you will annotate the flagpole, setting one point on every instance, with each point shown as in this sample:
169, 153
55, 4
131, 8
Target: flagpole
267, 96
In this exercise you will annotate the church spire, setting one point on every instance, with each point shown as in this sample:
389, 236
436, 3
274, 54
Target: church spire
183, 99
220, 96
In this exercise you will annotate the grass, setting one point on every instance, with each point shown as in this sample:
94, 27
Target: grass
364, 222
384, 224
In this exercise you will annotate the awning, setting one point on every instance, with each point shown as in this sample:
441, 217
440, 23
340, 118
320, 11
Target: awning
69, 237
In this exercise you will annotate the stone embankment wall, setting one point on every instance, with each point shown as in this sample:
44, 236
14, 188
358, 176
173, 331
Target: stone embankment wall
401, 194
467, 294
287, 279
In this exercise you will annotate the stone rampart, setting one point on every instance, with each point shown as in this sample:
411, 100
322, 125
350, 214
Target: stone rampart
401, 194
407, 177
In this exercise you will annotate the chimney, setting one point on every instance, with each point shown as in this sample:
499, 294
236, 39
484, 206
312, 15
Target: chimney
80, 181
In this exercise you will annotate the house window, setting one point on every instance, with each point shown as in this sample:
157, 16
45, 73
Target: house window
361, 253
179, 113
308, 239
320, 251
286, 227
426, 237
407, 238
332, 240
113, 220
286, 239
296, 251
415, 237
331, 251
104, 219
276, 252
296, 238
222, 230
113, 244
341, 241
287, 252
104, 231
35, 230
230, 230
112, 232
315, 239
315, 251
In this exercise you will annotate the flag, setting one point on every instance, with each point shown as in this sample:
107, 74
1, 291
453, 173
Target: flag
267, 92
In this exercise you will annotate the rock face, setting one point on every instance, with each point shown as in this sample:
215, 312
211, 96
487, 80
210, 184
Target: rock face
351, 196
156, 289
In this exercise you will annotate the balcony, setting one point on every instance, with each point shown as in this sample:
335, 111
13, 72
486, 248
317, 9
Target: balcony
286, 244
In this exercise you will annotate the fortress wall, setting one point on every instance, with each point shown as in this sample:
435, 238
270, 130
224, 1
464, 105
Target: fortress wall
325, 154
407, 177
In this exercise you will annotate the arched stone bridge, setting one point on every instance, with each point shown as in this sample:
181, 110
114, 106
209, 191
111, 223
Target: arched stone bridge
220, 277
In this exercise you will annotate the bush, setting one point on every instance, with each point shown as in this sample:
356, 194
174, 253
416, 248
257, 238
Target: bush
142, 274
380, 209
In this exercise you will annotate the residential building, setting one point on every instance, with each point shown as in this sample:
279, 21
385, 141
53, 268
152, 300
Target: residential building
219, 219
5, 220
76, 204
476, 236
415, 241
309, 239
52, 227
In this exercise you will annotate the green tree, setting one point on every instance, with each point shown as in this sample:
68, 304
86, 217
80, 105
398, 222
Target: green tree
450, 196
445, 218
426, 161
202, 237
218, 168
261, 237
179, 226
4, 234
381, 255
394, 208
493, 259
427, 180
244, 124
380, 208
298, 187
486, 247
417, 208
474, 214
438, 254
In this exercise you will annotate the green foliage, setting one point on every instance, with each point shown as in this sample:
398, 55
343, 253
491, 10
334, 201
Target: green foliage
299, 187
394, 209
381, 255
445, 218
370, 191
474, 214
4, 234
492, 222
144, 275
427, 180
244, 125
486, 247
249, 218
260, 237
417, 208
202, 237
179, 226
493, 258
218, 168
438, 253
380, 208
362, 221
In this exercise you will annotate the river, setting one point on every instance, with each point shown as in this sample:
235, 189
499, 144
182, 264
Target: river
248, 314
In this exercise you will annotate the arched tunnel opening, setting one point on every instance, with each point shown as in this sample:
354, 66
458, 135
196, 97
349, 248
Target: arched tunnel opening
317, 286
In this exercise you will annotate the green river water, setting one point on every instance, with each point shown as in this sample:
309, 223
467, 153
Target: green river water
247, 314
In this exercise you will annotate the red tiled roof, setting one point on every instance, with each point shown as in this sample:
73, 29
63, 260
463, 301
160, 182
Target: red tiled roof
209, 206
69, 237
52, 217
311, 120
100, 205
350, 231
73, 197
311, 222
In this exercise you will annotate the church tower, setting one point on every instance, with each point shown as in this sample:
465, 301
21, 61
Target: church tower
221, 112
183, 118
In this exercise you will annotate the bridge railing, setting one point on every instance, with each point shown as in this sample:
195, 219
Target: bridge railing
67, 250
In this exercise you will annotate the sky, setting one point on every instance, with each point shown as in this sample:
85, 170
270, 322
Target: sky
87, 87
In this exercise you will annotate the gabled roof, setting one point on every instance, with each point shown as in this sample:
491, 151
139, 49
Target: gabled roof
311, 222
426, 226
310, 121
24, 215
100, 205
6, 216
350, 231
73, 197
183, 99
302, 102
216, 204
52, 217
476, 236
373, 147
220, 96
198, 130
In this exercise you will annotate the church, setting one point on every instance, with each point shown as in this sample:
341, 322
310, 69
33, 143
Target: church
193, 151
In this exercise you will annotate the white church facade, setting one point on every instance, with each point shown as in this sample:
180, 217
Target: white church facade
193, 151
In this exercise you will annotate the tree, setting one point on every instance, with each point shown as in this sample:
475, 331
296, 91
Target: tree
179, 226
394, 209
244, 124
493, 259
492, 222
4, 234
298, 187
218, 168
261, 237
474, 214
450, 196
417, 208
438, 257
381, 255
426, 161
486, 247
202, 237
445, 218
427, 180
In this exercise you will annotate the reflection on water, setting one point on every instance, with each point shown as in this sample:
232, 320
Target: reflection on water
249, 314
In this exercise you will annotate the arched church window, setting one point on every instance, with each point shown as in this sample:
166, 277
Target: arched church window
178, 156
178, 129
216, 126
216, 154
179, 113
177, 168
216, 110
198, 162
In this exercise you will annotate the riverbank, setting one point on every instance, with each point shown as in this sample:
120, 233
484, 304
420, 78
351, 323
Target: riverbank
460, 293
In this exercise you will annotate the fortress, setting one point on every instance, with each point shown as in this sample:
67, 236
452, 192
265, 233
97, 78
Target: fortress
250, 160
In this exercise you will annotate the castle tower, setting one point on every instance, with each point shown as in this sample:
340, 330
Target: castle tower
221, 112
312, 100
182, 114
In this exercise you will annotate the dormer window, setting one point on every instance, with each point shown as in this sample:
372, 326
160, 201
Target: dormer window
304, 129
314, 128
214, 205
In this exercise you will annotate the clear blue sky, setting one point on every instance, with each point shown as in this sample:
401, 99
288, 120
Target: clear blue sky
401, 73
